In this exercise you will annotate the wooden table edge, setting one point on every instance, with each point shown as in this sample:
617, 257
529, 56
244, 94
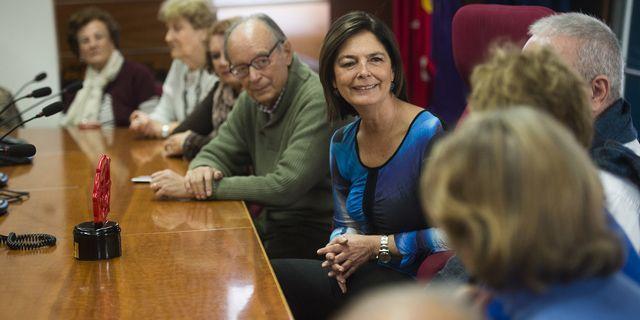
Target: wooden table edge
264, 253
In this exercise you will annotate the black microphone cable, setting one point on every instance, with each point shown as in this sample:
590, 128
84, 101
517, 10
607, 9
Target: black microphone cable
31, 241
15, 241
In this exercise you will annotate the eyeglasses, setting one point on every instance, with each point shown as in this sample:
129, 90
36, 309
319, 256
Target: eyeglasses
260, 62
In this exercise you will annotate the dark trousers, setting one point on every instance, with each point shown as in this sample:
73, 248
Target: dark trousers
311, 294
284, 239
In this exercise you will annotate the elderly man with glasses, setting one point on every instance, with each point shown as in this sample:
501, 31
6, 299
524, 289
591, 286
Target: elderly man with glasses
279, 128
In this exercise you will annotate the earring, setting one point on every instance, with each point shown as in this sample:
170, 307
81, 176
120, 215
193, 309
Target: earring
393, 86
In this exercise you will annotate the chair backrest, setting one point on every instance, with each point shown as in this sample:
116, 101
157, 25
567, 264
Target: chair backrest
476, 27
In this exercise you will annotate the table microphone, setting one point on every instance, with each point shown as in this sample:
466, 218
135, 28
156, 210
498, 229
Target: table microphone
39, 77
74, 86
46, 112
18, 150
37, 93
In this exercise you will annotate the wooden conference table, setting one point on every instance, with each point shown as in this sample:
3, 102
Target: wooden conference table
189, 259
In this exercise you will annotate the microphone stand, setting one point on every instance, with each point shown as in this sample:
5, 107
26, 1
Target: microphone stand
73, 86
19, 115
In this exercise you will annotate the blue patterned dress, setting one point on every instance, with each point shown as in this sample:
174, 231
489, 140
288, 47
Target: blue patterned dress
384, 200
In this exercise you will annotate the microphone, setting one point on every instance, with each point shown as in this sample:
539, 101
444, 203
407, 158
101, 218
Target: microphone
37, 93
74, 86
40, 92
46, 112
39, 77
18, 150
49, 110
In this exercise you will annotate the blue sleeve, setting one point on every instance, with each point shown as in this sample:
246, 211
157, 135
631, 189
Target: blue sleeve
415, 245
342, 222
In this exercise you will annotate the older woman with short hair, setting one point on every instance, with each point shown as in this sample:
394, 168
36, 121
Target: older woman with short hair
113, 87
188, 82
202, 125
504, 186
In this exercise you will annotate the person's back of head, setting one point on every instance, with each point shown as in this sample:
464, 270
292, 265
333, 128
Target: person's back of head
587, 44
537, 78
411, 302
520, 201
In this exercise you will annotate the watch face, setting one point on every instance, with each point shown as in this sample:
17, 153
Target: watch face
384, 257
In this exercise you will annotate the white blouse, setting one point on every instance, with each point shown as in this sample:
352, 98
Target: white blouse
181, 92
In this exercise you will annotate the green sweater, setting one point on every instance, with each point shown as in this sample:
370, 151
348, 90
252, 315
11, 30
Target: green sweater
289, 153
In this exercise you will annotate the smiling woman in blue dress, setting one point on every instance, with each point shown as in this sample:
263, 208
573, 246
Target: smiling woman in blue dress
380, 234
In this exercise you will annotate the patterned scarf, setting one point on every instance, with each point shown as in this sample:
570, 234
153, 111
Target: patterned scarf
87, 103
223, 100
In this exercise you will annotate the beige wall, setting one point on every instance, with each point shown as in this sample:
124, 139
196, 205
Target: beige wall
304, 22
27, 32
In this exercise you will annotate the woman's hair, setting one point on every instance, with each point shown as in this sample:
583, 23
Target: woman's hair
83, 17
536, 78
218, 28
520, 201
342, 30
199, 13
407, 300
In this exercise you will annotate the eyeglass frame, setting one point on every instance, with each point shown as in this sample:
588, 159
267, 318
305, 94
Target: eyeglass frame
233, 68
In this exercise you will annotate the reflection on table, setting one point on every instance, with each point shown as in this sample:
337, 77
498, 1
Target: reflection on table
180, 259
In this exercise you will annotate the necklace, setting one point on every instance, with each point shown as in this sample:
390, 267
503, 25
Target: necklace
198, 91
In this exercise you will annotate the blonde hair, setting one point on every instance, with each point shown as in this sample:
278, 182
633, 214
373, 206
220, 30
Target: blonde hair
221, 26
537, 78
520, 200
407, 301
199, 13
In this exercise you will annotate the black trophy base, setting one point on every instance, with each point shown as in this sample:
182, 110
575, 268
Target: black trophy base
92, 243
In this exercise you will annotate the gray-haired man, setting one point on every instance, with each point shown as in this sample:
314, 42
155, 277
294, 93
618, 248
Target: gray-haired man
592, 49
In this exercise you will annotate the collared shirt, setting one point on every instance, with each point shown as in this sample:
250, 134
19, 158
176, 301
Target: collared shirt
616, 124
270, 109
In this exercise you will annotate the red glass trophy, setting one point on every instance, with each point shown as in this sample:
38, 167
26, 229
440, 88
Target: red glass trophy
98, 239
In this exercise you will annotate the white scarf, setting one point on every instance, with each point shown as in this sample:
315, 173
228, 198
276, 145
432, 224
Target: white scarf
87, 103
